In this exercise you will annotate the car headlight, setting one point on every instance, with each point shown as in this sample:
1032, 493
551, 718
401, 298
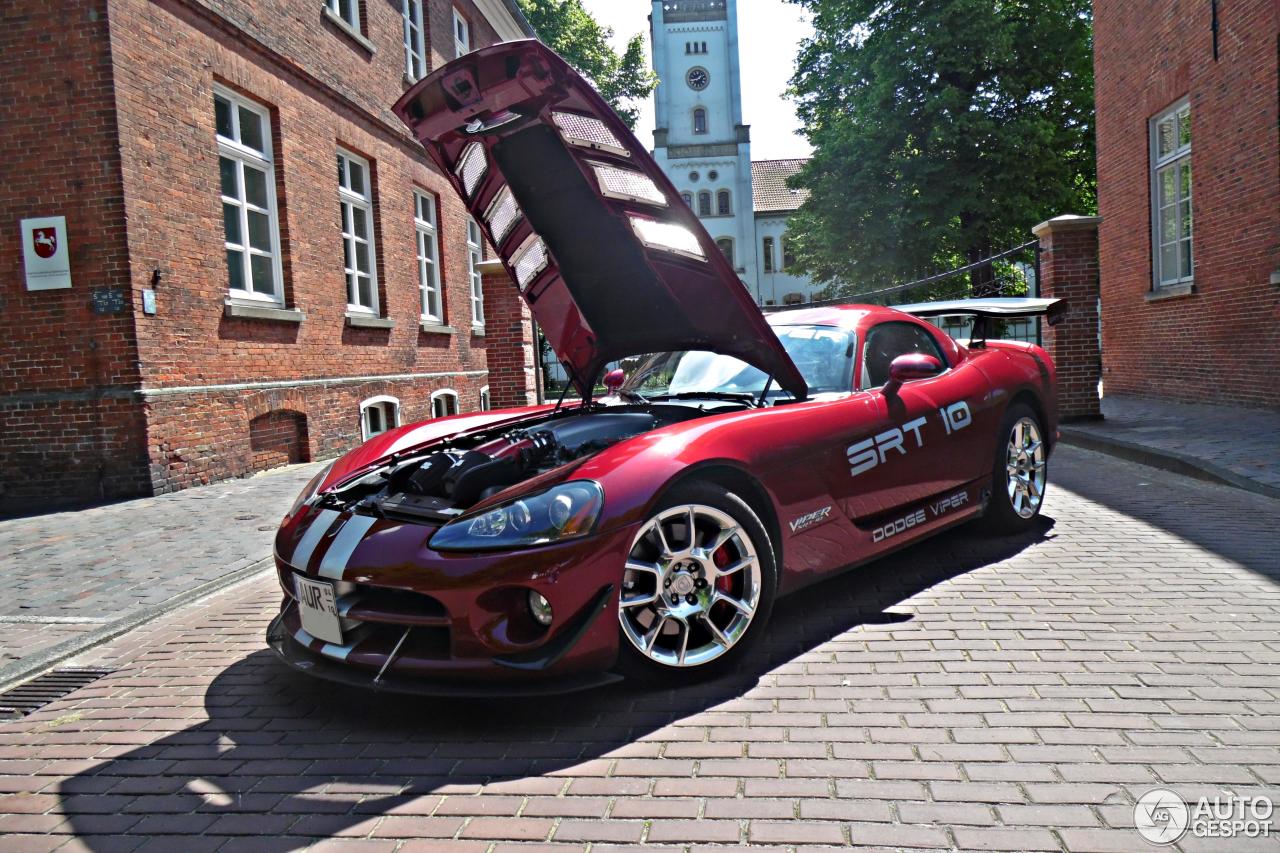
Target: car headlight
564, 512
309, 490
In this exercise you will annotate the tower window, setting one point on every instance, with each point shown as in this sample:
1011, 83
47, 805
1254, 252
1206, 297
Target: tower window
724, 204
688, 199
768, 254
704, 203
704, 47
725, 245
699, 120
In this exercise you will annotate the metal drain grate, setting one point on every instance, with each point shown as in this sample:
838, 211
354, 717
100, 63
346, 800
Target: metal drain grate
20, 701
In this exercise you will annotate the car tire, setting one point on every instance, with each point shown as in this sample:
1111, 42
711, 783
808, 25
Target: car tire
694, 593
1020, 472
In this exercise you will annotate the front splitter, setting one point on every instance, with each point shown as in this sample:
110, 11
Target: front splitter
306, 661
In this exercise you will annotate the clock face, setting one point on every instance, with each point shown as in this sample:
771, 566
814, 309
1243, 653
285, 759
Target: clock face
697, 78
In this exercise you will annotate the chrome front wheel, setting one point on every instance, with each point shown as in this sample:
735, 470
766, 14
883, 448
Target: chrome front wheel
692, 585
1025, 467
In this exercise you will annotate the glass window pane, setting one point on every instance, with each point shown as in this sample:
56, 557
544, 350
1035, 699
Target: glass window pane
1184, 179
260, 266
352, 293
1168, 186
235, 269
227, 172
1168, 263
366, 291
231, 223
1185, 219
346, 254
359, 222
1168, 224
355, 174
255, 186
251, 130
1166, 136
222, 116
342, 171
362, 257
259, 231
1184, 127
1185, 258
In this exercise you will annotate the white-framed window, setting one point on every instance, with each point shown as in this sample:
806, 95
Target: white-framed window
788, 252
461, 34
475, 254
444, 403
1171, 196
485, 404
415, 44
769, 263
355, 201
248, 186
699, 120
347, 10
424, 223
379, 414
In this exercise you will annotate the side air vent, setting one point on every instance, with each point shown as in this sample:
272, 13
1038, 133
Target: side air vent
33, 695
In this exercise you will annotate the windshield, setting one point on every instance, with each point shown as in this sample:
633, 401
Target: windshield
824, 355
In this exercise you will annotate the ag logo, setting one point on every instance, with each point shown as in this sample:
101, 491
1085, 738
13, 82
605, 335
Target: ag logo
1161, 816
45, 241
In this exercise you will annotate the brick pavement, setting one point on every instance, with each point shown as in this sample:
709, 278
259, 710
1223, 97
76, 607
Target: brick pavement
1237, 445
968, 693
69, 574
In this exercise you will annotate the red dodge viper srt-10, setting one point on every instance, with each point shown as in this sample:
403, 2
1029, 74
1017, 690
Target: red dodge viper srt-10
648, 532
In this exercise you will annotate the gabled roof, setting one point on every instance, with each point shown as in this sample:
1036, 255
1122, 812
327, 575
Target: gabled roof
769, 185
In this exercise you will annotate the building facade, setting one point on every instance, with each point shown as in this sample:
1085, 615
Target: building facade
264, 268
1189, 192
703, 145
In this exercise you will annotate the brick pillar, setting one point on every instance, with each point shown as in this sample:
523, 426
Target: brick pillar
1069, 270
508, 336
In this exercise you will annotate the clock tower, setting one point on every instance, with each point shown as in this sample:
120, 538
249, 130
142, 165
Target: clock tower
700, 140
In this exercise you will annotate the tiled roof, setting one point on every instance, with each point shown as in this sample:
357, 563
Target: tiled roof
769, 185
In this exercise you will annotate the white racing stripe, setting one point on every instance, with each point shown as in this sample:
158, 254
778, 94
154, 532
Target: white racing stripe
335, 559
329, 650
319, 526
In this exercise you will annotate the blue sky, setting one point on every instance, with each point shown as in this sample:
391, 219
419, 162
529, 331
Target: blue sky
769, 32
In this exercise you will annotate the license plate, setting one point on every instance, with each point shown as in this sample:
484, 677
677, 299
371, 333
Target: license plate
319, 608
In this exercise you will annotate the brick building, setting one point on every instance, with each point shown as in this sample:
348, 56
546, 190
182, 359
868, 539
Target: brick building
314, 278
1187, 100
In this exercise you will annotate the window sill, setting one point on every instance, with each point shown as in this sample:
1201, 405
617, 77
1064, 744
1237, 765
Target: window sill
1173, 291
477, 331
369, 321
349, 31
251, 311
437, 329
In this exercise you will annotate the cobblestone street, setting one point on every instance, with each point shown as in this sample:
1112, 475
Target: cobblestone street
968, 693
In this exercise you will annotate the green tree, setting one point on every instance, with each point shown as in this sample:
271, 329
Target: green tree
568, 29
942, 129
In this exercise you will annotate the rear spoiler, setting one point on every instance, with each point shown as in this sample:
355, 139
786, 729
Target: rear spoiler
991, 308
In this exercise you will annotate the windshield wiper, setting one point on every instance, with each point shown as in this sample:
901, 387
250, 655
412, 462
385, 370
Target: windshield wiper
735, 396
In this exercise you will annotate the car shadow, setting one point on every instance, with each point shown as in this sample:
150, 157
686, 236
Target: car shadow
278, 743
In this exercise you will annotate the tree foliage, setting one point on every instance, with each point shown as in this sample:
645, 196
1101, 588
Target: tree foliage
568, 29
942, 129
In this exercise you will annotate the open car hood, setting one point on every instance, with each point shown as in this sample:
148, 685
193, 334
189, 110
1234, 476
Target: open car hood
610, 260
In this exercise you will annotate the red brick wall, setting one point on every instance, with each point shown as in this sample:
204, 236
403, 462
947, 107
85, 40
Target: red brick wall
509, 330
1222, 343
1069, 270
66, 374
327, 93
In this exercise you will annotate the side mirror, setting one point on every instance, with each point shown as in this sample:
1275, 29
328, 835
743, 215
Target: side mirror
613, 381
908, 368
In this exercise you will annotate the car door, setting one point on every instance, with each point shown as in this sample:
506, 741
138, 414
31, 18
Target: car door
917, 442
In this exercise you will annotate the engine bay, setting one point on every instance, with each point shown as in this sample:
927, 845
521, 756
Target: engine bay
442, 482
